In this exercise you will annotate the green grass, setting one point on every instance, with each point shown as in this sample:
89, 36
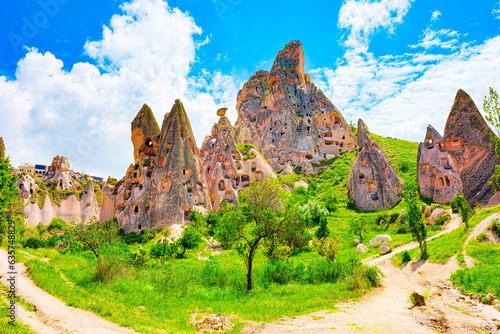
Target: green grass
484, 278
171, 293
441, 249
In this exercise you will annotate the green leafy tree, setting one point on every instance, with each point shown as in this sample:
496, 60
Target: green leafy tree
10, 201
322, 232
93, 234
414, 216
358, 228
464, 209
329, 247
190, 239
314, 211
164, 250
264, 212
491, 108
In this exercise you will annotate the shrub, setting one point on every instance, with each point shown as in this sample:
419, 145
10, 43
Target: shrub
443, 219
495, 226
107, 268
482, 237
329, 247
406, 257
57, 224
404, 166
33, 243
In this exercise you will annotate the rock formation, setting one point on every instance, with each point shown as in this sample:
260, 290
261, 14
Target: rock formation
60, 174
2, 148
27, 187
287, 118
69, 209
167, 181
437, 174
373, 183
467, 140
227, 168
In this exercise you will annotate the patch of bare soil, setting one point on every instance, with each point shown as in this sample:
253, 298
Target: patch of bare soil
52, 315
212, 323
388, 309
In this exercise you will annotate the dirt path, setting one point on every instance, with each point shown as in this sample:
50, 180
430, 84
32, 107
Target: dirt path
52, 315
388, 310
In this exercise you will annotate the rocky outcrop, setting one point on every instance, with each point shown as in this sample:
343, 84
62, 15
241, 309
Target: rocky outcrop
167, 181
467, 140
380, 239
108, 203
373, 183
59, 173
228, 169
437, 173
145, 134
69, 209
27, 187
436, 214
287, 118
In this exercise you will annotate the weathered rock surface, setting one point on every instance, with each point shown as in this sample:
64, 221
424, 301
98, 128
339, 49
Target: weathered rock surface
287, 118
373, 183
385, 248
167, 181
379, 239
27, 187
59, 172
494, 200
288, 170
436, 214
437, 173
229, 170
467, 140
361, 249
428, 211
69, 209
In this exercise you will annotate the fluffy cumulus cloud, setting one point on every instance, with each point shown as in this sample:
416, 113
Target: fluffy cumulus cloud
144, 56
363, 18
399, 95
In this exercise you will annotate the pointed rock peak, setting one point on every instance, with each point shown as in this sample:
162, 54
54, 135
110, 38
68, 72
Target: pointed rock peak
433, 134
224, 121
89, 188
221, 112
146, 121
290, 59
288, 169
364, 137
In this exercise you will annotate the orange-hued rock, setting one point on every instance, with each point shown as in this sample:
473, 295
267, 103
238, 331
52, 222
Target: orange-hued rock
167, 181
228, 169
373, 183
287, 118
437, 174
145, 134
59, 173
467, 140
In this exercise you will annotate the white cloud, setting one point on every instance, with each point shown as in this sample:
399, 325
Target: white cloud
362, 18
496, 11
399, 95
435, 15
443, 38
144, 56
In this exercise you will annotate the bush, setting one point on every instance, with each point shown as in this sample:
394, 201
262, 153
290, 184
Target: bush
443, 219
495, 226
482, 237
57, 224
107, 268
404, 166
33, 243
406, 257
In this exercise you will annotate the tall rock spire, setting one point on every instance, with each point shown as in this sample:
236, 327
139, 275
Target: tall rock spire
287, 118
467, 140
145, 133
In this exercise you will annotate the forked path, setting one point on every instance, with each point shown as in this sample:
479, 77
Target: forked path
52, 315
387, 309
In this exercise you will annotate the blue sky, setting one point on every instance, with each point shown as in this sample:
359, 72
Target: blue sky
73, 74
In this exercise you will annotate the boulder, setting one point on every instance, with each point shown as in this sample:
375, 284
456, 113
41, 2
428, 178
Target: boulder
417, 299
490, 297
436, 214
288, 170
437, 174
288, 118
379, 239
428, 211
361, 249
373, 183
385, 248
467, 138
355, 242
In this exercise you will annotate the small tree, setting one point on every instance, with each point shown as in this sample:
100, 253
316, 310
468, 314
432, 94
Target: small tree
328, 247
358, 228
314, 211
94, 234
491, 107
414, 216
164, 250
10, 201
322, 232
464, 209
264, 212
190, 239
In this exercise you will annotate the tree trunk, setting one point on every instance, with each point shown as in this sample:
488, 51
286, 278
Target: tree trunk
249, 272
